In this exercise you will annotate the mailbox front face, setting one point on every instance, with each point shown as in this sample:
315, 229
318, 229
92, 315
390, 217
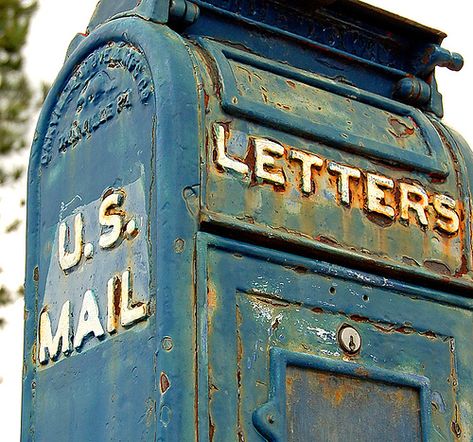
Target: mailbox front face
306, 349
94, 348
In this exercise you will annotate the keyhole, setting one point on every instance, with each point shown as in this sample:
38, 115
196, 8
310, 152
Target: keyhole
349, 339
352, 344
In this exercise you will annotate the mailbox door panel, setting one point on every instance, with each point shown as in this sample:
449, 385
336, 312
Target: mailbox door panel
275, 367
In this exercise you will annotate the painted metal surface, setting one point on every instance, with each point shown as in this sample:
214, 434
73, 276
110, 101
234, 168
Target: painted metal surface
246, 221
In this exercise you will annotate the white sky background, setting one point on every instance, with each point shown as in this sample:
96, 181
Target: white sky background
55, 24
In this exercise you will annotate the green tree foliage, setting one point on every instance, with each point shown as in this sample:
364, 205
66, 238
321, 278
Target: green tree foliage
5, 298
15, 92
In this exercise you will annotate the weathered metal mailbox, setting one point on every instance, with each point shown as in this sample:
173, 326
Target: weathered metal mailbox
247, 222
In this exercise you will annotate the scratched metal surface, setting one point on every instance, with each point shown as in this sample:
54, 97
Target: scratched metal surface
188, 274
325, 404
255, 301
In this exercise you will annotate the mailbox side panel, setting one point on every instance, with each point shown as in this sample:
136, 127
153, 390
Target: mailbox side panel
114, 152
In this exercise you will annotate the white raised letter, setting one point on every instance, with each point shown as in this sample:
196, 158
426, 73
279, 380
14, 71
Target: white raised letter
67, 259
89, 321
376, 196
111, 311
222, 159
344, 174
408, 192
62, 336
445, 207
263, 147
307, 160
115, 221
129, 313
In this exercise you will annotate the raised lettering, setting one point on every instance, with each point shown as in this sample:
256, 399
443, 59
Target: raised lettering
375, 194
129, 313
89, 322
222, 159
449, 220
308, 161
68, 259
344, 174
112, 314
265, 152
114, 221
413, 197
49, 346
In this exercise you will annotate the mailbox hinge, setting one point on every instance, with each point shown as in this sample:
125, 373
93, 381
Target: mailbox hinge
176, 12
421, 89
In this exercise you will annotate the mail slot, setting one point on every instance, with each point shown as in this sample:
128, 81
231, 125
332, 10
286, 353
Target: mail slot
247, 222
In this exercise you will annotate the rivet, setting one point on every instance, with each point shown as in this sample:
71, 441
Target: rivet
167, 343
179, 245
88, 250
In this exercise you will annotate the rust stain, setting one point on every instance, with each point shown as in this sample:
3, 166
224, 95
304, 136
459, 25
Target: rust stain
211, 428
291, 84
265, 299
361, 371
301, 270
400, 129
405, 330
264, 94
453, 380
283, 106
437, 267
275, 324
329, 241
410, 261
211, 298
464, 196
34, 352
164, 383
358, 318
36, 274
455, 427
240, 434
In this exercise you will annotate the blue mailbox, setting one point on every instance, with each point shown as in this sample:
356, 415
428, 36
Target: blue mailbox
247, 222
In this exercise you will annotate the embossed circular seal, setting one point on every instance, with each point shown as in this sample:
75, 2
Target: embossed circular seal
110, 81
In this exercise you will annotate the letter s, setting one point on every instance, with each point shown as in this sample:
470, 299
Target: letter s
113, 220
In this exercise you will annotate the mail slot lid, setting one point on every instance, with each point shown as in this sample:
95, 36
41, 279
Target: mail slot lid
325, 110
326, 404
